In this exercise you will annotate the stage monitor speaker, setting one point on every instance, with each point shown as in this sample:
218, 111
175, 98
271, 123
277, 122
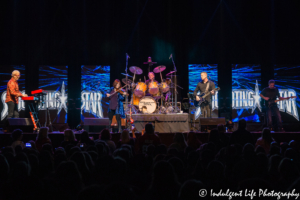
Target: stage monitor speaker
25, 124
61, 127
212, 121
95, 121
102, 121
206, 123
98, 124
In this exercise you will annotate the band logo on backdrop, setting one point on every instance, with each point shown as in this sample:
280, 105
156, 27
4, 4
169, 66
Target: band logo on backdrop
250, 99
91, 101
57, 100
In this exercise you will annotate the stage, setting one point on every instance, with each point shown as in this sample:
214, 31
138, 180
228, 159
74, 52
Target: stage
166, 138
163, 123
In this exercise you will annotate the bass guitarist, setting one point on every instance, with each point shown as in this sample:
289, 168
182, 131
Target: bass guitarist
269, 94
205, 86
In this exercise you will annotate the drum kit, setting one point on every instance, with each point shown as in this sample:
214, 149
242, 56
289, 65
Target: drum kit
146, 95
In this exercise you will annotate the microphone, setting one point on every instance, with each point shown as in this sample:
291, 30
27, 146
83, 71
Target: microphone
127, 55
170, 56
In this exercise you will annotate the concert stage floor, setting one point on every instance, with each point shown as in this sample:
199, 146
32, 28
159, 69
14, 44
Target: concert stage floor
166, 138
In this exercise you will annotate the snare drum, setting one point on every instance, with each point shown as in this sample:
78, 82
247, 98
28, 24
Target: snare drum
153, 88
140, 89
147, 105
164, 87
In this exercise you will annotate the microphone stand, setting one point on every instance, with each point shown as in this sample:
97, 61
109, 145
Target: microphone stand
175, 89
126, 98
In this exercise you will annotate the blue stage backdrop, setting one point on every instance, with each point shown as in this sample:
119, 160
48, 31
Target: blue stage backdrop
95, 81
54, 79
287, 81
246, 88
5, 76
195, 77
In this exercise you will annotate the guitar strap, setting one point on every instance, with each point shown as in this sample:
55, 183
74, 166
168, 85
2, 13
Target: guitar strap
207, 86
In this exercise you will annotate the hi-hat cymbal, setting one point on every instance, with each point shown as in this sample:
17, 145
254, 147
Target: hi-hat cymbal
129, 81
126, 75
136, 70
159, 69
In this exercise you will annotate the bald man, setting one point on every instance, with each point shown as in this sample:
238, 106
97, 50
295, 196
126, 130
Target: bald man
13, 94
205, 86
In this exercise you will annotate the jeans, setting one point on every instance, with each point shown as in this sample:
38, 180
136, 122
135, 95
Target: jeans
206, 109
12, 110
275, 110
118, 117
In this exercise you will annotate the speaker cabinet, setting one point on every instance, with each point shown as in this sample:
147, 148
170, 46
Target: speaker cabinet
25, 124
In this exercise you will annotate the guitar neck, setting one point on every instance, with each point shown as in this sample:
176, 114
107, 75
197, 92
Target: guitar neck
287, 98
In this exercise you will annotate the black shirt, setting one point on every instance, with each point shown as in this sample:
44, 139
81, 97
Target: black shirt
149, 81
271, 93
113, 101
202, 87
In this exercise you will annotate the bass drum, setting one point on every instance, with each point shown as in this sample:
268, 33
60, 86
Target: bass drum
147, 105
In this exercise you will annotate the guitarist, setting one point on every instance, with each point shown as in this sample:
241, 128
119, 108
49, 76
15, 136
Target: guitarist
205, 86
270, 94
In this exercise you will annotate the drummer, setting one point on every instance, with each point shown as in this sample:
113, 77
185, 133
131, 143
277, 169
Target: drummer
151, 76
151, 79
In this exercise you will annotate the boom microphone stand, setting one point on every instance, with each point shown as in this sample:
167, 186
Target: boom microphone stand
175, 88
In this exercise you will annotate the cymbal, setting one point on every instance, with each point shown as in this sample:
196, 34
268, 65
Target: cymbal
172, 75
136, 70
159, 69
129, 81
172, 72
126, 75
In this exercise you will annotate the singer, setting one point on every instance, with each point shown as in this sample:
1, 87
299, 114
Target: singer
115, 104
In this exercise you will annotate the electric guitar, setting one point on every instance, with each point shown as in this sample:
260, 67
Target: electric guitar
272, 103
202, 97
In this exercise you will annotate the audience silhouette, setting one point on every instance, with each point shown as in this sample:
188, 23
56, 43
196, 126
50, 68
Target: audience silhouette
143, 168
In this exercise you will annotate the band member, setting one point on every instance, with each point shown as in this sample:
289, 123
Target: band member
115, 103
151, 79
270, 94
13, 94
205, 86
151, 76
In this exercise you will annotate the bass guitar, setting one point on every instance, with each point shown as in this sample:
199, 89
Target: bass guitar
272, 103
203, 95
